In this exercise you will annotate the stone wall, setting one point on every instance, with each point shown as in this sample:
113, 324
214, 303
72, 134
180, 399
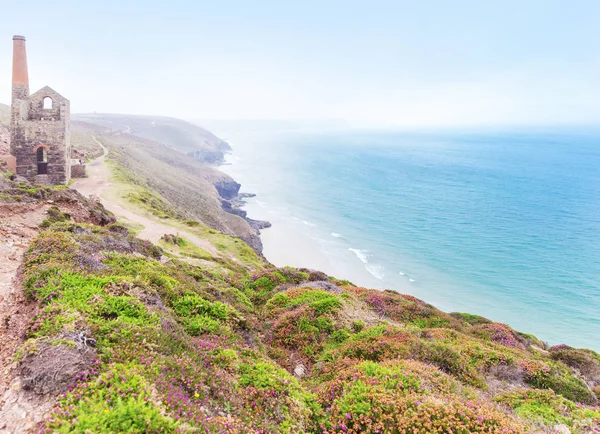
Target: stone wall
35, 127
78, 171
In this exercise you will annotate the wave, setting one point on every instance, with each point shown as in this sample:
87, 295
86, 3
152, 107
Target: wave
376, 270
263, 204
336, 235
411, 280
363, 255
308, 223
401, 273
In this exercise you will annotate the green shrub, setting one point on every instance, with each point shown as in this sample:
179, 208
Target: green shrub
559, 378
55, 215
548, 408
321, 301
470, 318
196, 305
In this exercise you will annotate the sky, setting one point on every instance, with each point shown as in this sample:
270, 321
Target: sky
406, 63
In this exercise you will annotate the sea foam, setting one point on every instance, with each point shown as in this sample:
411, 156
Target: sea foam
363, 255
375, 270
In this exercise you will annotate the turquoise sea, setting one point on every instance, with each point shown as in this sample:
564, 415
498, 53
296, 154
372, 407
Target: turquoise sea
505, 224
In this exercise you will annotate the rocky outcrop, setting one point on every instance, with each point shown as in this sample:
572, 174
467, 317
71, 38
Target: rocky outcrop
229, 206
234, 206
227, 187
258, 224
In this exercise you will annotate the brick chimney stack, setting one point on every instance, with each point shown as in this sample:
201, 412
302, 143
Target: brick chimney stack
20, 78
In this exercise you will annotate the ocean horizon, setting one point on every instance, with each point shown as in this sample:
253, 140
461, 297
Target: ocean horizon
503, 224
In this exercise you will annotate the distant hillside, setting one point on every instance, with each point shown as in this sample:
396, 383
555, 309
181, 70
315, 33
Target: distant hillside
4, 114
4, 132
178, 134
181, 186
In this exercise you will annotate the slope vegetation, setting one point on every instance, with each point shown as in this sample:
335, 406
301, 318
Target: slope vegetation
133, 338
125, 335
172, 185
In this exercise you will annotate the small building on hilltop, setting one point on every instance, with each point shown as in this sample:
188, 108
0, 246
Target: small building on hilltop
40, 131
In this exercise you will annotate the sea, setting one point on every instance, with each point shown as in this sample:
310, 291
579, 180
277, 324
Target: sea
503, 223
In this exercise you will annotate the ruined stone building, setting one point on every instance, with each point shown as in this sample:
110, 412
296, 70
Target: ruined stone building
40, 136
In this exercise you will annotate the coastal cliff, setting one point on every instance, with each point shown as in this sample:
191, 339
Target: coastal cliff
102, 331
165, 180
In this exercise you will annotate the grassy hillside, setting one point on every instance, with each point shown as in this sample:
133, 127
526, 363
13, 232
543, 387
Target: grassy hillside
220, 345
83, 142
169, 184
175, 133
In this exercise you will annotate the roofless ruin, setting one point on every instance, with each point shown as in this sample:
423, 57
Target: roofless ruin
40, 137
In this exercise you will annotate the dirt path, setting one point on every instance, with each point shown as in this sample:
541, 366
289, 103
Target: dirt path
95, 185
20, 411
18, 225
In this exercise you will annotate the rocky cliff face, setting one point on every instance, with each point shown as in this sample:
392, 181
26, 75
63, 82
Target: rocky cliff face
227, 187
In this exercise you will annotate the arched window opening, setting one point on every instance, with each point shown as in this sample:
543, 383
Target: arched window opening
47, 103
42, 161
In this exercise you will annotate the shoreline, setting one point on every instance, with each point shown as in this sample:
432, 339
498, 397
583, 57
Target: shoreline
305, 234
278, 229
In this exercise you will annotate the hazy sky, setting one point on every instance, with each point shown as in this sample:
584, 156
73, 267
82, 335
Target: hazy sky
398, 62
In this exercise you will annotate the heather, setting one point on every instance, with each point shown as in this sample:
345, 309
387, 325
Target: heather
149, 341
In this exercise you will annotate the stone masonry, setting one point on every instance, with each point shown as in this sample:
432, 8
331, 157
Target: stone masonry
77, 169
40, 137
